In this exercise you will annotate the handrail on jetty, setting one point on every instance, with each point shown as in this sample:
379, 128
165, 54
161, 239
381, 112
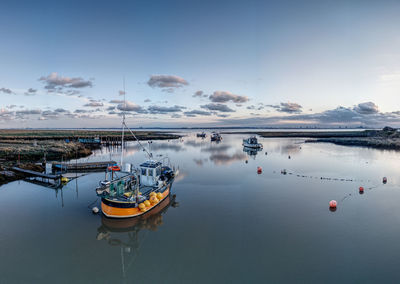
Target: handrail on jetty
83, 166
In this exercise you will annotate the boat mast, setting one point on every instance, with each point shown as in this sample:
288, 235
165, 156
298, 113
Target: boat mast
123, 127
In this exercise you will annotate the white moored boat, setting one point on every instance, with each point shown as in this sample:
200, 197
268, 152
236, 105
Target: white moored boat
252, 142
216, 137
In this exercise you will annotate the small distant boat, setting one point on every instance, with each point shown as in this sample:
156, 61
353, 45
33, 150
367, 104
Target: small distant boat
202, 134
216, 136
93, 140
252, 142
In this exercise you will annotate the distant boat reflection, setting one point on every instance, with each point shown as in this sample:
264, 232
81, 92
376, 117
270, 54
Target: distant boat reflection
251, 152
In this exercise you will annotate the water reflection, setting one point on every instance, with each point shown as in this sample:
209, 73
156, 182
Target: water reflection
290, 149
226, 159
167, 146
251, 152
283, 146
200, 162
194, 143
216, 148
285, 219
124, 233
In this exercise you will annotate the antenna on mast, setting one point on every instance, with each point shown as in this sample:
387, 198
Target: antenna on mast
123, 124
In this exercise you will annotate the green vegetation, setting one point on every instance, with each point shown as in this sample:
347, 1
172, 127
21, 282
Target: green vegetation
74, 134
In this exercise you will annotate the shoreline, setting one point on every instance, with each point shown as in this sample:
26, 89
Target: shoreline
306, 134
29, 148
387, 138
74, 135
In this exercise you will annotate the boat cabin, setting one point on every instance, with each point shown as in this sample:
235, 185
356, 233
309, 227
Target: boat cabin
150, 172
252, 140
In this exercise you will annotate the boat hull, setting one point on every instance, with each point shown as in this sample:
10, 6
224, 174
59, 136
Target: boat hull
126, 209
253, 146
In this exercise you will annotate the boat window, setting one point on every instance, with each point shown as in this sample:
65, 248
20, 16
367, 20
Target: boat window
150, 172
158, 171
143, 171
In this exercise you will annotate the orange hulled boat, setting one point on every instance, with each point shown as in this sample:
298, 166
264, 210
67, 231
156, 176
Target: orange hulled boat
135, 191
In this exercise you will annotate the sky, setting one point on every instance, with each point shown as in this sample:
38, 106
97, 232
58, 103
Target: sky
199, 63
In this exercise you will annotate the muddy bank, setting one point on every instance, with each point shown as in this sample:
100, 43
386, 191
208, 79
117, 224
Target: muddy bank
27, 147
40, 145
378, 143
306, 134
28, 155
74, 135
28, 151
7, 176
387, 138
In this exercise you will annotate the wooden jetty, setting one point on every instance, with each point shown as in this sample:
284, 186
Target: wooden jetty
46, 178
36, 174
71, 166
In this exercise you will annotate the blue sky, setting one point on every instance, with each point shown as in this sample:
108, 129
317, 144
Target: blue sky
256, 63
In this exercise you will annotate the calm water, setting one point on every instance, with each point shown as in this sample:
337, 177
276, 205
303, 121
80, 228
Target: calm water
227, 224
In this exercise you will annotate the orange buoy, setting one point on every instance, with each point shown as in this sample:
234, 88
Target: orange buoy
332, 204
384, 180
361, 189
259, 170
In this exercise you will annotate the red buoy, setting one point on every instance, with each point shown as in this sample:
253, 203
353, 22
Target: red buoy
361, 189
259, 170
332, 204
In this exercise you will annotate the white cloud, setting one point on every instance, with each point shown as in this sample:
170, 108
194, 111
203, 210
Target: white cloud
167, 82
225, 96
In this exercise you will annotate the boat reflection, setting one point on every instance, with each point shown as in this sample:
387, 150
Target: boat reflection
251, 152
124, 233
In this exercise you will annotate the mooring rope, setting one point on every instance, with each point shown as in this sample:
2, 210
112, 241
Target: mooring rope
321, 177
89, 206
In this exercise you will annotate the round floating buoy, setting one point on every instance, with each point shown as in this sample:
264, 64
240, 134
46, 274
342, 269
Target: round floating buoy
152, 193
147, 203
361, 189
95, 210
259, 170
332, 204
266, 153
384, 180
142, 206
159, 195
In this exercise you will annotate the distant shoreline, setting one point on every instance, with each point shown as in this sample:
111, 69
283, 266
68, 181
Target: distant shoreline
305, 134
387, 138
51, 134
197, 128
